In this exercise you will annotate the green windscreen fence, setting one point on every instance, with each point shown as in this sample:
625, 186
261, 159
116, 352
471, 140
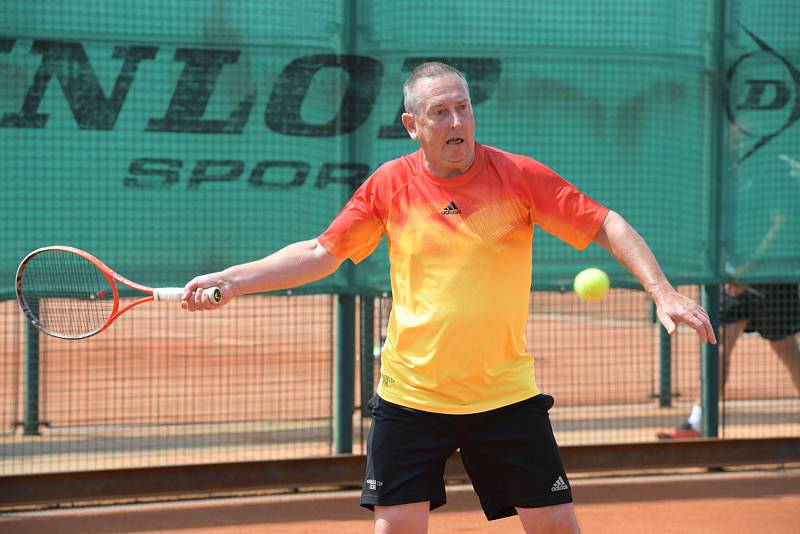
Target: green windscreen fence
175, 138
172, 139
760, 190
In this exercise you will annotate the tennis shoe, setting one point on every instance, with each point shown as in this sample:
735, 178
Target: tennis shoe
685, 431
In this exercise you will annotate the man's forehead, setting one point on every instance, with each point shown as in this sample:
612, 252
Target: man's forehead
442, 88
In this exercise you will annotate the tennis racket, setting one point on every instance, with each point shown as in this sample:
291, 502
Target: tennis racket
68, 293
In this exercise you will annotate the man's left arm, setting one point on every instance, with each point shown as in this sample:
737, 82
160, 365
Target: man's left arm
627, 246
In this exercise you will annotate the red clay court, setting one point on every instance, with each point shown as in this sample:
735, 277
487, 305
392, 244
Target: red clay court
763, 502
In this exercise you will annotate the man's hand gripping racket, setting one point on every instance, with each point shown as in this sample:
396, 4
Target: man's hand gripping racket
68, 293
195, 296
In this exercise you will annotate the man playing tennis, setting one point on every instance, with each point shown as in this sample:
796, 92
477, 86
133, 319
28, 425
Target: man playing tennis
455, 372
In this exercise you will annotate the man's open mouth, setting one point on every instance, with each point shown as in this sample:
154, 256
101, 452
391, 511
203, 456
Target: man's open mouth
455, 141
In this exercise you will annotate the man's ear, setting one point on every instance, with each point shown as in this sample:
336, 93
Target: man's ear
410, 124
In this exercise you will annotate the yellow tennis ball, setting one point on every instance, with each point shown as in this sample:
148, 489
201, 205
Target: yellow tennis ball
592, 284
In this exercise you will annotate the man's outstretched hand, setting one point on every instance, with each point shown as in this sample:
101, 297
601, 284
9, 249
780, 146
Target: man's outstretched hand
673, 308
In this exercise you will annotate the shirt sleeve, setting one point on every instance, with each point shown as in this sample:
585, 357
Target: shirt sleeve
559, 208
357, 229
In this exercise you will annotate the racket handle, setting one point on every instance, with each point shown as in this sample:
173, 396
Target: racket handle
175, 294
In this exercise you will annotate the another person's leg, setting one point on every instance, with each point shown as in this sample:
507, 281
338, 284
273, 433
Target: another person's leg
735, 314
731, 333
771, 310
780, 324
788, 351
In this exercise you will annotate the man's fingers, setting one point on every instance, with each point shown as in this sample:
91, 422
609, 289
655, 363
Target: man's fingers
707, 334
668, 323
188, 294
710, 332
698, 326
206, 300
700, 323
198, 299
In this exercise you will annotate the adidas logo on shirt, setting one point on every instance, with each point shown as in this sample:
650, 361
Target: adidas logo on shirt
559, 485
451, 209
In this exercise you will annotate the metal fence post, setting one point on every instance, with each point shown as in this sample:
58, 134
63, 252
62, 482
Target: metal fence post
710, 292
30, 423
709, 366
664, 361
344, 374
367, 332
664, 367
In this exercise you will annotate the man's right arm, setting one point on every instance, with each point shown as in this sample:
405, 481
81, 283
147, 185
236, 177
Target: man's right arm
297, 264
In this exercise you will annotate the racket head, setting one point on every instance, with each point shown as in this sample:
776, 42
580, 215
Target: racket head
66, 292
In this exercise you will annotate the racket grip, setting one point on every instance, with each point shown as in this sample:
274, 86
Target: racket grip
175, 293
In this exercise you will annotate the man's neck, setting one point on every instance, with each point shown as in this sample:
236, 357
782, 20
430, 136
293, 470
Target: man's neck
449, 171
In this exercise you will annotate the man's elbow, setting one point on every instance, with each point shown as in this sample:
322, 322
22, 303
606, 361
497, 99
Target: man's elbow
601, 237
616, 231
327, 262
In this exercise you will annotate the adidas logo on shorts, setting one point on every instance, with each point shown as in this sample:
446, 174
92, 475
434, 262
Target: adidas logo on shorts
559, 485
373, 484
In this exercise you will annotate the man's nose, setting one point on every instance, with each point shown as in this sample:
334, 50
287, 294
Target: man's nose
455, 119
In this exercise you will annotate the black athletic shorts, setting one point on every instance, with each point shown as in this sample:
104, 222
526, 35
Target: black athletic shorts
772, 310
510, 454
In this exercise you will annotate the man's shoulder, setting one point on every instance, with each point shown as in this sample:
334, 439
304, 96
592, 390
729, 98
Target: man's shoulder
401, 164
506, 161
396, 171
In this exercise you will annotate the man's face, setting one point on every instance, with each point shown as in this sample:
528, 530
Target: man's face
443, 124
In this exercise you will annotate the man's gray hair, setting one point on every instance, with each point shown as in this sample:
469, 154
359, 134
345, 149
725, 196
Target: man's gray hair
432, 69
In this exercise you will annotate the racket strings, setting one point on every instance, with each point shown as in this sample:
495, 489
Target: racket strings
66, 294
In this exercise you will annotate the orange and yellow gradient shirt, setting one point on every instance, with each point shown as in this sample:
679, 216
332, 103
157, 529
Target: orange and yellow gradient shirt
460, 268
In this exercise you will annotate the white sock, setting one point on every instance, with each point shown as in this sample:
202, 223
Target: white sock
696, 417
